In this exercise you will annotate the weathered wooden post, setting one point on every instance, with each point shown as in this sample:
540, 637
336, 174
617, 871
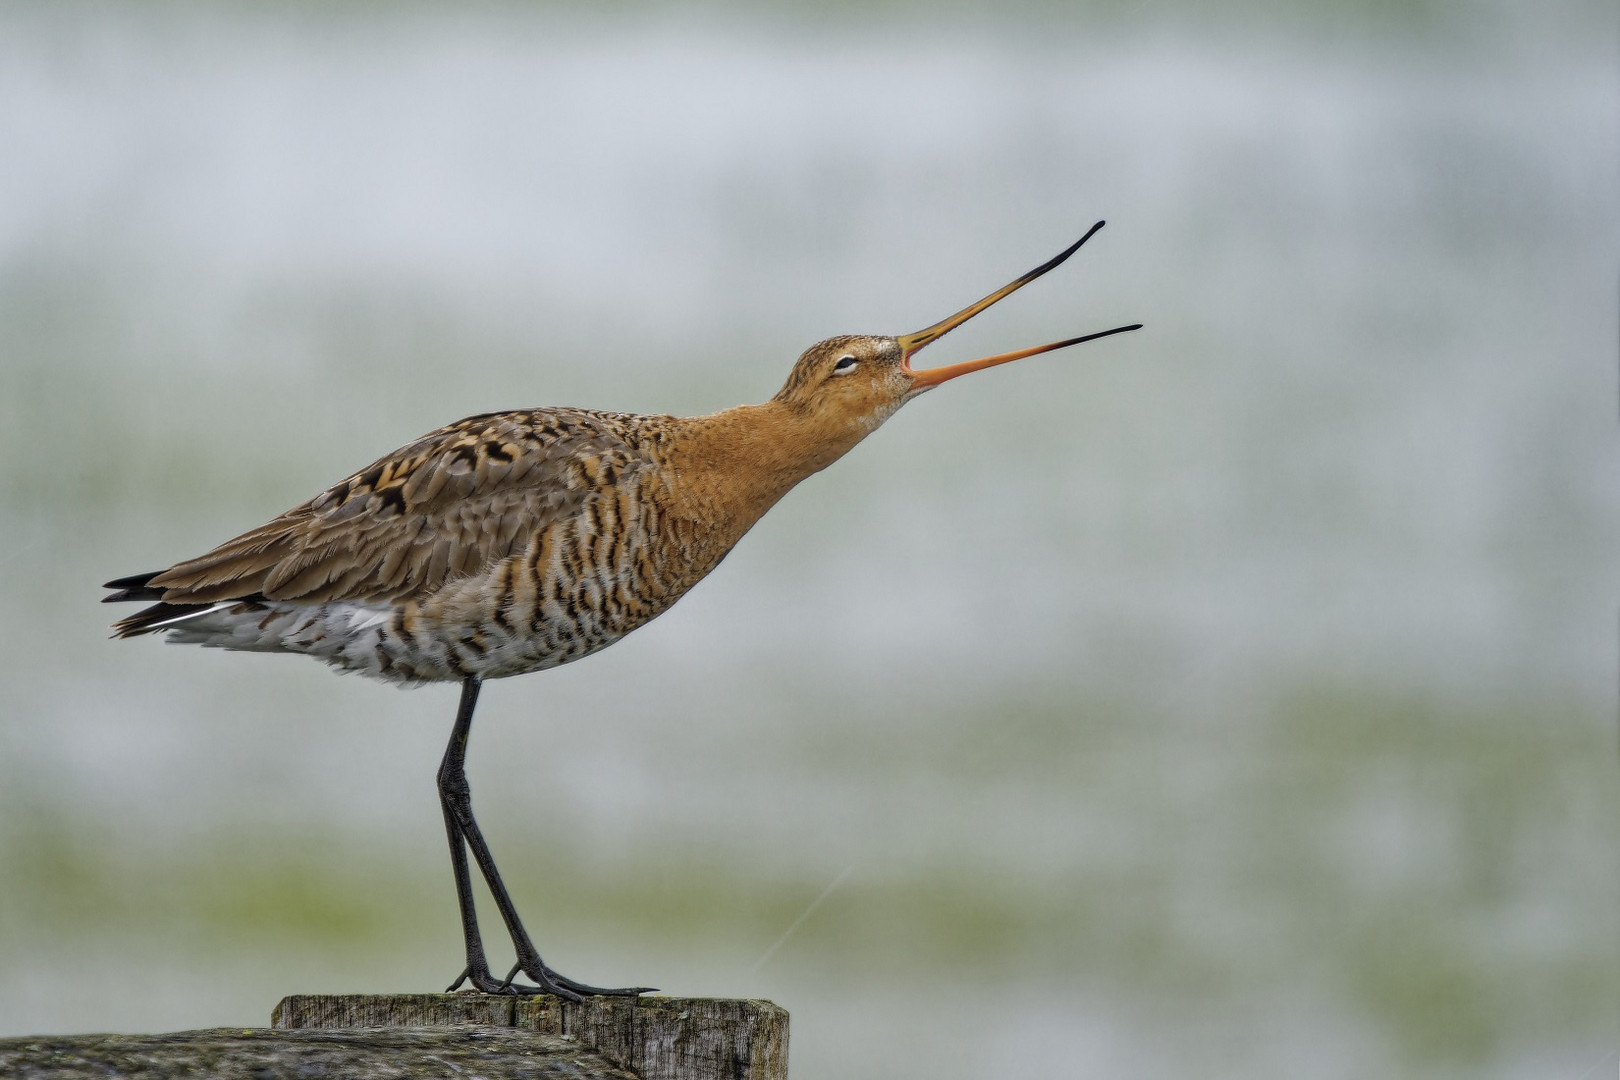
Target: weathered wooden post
371, 1037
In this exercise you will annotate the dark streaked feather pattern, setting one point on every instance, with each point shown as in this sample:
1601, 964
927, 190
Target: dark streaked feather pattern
445, 506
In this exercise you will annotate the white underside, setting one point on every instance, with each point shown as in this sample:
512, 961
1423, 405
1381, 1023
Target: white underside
346, 635
364, 638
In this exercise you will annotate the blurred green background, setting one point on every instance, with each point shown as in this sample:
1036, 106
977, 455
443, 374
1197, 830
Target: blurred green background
1232, 699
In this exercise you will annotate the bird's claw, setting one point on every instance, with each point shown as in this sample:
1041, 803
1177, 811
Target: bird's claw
483, 982
551, 982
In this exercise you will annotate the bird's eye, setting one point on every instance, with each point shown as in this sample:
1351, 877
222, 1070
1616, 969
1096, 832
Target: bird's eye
845, 365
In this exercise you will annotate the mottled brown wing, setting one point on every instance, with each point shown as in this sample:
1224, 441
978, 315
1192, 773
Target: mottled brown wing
446, 506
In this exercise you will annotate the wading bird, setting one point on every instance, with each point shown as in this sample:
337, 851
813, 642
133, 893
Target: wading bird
517, 541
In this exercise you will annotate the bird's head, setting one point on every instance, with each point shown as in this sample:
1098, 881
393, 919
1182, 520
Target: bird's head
847, 386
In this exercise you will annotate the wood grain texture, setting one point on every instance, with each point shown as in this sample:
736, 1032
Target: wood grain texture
656, 1038
494, 1053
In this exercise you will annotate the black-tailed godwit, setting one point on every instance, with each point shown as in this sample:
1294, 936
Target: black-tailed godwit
514, 542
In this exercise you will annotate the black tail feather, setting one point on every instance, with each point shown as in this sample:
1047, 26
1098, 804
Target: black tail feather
134, 587
151, 619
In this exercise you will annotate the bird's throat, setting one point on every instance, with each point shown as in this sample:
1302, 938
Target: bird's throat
745, 459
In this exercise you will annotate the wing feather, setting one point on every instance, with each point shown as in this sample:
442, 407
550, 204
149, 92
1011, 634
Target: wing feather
446, 506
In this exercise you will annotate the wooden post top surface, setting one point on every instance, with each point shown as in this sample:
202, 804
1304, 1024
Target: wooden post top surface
396, 1036
656, 1038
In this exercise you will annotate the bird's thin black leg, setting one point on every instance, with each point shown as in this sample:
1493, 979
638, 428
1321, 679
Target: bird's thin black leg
477, 970
453, 788
528, 958
456, 795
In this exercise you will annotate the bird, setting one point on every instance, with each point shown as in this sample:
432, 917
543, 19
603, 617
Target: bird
513, 542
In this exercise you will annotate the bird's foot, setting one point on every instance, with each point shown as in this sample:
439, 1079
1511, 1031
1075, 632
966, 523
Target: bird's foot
552, 982
481, 980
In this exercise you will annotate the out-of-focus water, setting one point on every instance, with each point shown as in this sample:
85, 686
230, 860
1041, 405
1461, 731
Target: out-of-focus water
1231, 699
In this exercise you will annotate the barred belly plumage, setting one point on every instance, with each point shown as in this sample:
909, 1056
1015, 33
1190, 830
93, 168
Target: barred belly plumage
580, 586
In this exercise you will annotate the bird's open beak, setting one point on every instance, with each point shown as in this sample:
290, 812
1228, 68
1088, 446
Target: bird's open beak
932, 377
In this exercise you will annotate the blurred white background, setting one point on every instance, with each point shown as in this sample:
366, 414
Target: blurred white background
1232, 699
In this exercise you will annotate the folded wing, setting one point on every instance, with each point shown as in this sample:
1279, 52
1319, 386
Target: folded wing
446, 506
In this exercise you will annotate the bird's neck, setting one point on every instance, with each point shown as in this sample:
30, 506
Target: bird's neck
745, 459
